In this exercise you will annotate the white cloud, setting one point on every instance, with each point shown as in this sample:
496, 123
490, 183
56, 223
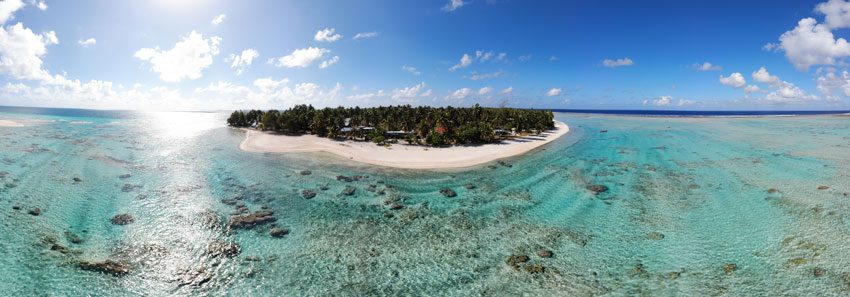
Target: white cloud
327, 35
40, 4
408, 92
268, 84
410, 69
8, 9
186, 60
426, 93
301, 58
662, 101
837, 13
329, 62
735, 80
525, 58
617, 63
21, 50
365, 35
462, 93
453, 5
484, 90
507, 90
242, 61
811, 43
553, 92
751, 89
465, 61
217, 20
87, 42
707, 67
764, 77
789, 93
834, 86
483, 76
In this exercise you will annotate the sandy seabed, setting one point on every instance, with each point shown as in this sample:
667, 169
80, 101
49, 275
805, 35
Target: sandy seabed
400, 155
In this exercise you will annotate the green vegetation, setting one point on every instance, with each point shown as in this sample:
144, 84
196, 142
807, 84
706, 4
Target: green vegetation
430, 125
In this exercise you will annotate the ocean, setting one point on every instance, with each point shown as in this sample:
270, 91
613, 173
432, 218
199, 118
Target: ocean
695, 205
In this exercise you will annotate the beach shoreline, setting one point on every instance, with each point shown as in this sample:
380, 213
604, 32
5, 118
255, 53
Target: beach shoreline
400, 155
8, 123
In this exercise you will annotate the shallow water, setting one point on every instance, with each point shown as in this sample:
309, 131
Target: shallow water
686, 197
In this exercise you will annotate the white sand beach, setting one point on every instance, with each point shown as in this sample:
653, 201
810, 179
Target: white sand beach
400, 155
8, 123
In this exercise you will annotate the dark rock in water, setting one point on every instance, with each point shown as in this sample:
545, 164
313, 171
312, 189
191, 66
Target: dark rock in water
35, 211
348, 191
124, 176
77, 179
324, 187
219, 248
278, 232
306, 172
16, 207
846, 278
492, 166
59, 248
395, 206
344, 178
470, 186
448, 192
693, 186
228, 201
129, 187
505, 164
122, 219
655, 235
73, 238
596, 189
515, 260
545, 253
729, 268
210, 219
823, 187
248, 221
106, 267
772, 191
818, 272
308, 194
537, 268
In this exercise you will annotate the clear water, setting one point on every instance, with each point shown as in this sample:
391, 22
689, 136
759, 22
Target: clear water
701, 182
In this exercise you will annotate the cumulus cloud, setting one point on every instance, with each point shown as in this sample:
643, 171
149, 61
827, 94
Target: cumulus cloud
186, 60
707, 67
426, 93
8, 9
789, 93
365, 35
735, 80
410, 69
483, 76
327, 35
507, 90
617, 63
460, 94
453, 5
554, 92
329, 62
764, 77
834, 85
218, 19
40, 4
300, 58
408, 92
662, 101
465, 61
242, 61
485, 90
811, 43
836, 12
751, 89
268, 84
22, 50
87, 42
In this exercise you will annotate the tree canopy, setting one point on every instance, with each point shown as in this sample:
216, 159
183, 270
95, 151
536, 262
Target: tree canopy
431, 125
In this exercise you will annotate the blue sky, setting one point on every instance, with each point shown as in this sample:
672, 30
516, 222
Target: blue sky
179, 54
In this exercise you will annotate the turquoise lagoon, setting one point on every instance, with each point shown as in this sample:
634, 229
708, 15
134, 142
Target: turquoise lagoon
687, 197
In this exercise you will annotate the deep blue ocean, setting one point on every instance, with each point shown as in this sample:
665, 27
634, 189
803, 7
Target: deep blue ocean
694, 206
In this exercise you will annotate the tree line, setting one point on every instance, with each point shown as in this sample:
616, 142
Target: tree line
423, 124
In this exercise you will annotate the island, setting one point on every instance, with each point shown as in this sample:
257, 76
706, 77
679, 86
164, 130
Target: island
8, 123
400, 136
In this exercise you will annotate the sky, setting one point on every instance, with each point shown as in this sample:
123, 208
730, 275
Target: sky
220, 55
